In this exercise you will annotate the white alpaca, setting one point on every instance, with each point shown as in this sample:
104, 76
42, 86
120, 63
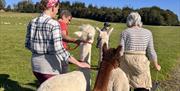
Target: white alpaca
87, 32
118, 81
104, 38
76, 80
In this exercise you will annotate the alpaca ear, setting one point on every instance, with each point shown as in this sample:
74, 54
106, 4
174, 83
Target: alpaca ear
97, 28
78, 33
118, 50
104, 47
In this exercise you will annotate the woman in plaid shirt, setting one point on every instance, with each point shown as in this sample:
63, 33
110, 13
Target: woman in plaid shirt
138, 49
44, 40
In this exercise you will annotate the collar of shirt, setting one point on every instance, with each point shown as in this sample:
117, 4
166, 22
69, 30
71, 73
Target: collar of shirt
62, 22
45, 15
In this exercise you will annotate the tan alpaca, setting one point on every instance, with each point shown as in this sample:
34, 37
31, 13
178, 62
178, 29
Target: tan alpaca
110, 77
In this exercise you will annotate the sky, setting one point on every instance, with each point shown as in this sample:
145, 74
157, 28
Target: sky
173, 5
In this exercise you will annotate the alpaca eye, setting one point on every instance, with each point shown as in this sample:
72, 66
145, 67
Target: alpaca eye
114, 51
90, 36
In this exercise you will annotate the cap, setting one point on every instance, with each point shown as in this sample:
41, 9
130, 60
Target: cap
107, 24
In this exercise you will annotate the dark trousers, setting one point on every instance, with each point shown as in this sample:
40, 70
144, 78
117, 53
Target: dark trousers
42, 77
140, 89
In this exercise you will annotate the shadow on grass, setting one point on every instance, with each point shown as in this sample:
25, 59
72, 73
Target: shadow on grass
10, 85
34, 84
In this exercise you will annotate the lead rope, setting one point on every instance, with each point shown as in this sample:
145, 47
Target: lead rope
157, 73
157, 83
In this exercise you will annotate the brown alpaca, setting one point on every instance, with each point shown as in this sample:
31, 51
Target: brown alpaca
109, 62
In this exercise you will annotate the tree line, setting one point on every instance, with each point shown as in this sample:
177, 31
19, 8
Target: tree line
150, 15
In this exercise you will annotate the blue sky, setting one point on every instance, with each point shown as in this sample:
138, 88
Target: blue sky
173, 5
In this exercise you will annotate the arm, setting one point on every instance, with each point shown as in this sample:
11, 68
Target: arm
152, 54
67, 38
71, 40
80, 64
60, 51
122, 43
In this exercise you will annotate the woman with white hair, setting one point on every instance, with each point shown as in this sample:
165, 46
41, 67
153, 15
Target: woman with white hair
137, 51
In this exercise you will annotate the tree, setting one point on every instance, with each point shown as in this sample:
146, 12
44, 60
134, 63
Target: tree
8, 8
29, 8
65, 5
37, 7
2, 4
125, 12
25, 7
150, 15
144, 12
78, 5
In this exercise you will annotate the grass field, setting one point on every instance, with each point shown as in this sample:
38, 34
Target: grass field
15, 66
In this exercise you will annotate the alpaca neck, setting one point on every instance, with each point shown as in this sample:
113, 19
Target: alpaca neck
103, 76
85, 52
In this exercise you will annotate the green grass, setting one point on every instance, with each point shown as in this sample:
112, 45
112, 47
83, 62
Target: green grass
15, 69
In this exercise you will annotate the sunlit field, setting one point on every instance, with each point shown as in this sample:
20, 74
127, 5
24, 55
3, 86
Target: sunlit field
15, 65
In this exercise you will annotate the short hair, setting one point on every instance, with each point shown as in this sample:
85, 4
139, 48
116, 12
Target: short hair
134, 19
43, 4
66, 13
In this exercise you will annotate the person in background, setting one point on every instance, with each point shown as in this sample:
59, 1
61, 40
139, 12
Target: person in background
138, 50
105, 28
64, 20
44, 40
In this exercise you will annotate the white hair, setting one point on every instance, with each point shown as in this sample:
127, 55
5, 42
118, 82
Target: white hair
134, 19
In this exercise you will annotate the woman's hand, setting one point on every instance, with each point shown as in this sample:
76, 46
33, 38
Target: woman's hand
84, 65
158, 67
76, 62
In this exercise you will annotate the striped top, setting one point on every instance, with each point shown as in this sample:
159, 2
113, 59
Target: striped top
44, 37
138, 39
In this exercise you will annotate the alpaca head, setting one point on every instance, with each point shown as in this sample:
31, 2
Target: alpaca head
86, 33
112, 55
